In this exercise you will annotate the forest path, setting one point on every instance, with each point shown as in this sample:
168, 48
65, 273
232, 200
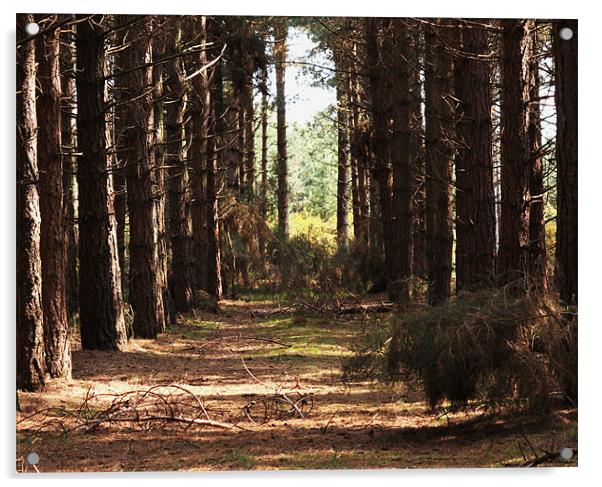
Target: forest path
235, 357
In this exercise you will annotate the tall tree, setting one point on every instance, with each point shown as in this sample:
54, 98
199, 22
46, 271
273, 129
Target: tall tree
513, 226
145, 287
415, 57
215, 126
69, 141
565, 55
536, 250
280, 34
180, 276
50, 163
475, 211
101, 306
439, 136
343, 159
386, 43
199, 118
31, 369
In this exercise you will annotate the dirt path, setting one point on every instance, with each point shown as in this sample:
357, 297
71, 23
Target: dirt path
359, 425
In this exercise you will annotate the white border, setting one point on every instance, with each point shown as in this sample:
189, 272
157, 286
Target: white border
590, 178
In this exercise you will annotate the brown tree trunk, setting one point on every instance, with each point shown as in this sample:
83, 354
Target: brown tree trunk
50, 163
566, 53
197, 157
31, 368
280, 33
359, 160
69, 141
475, 212
536, 250
216, 111
264, 165
180, 275
514, 158
248, 126
101, 306
416, 150
343, 165
160, 174
388, 72
146, 297
438, 90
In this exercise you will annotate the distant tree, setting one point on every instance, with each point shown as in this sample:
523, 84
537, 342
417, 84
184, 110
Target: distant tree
31, 369
343, 163
565, 56
280, 34
69, 148
215, 128
536, 250
439, 136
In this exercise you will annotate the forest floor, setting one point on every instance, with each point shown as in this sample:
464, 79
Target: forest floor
351, 425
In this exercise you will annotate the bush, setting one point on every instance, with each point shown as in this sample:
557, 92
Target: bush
479, 346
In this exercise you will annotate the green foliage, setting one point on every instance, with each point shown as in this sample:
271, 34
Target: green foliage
313, 166
245, 462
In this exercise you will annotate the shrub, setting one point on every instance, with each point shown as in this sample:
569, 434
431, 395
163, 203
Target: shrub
479, 346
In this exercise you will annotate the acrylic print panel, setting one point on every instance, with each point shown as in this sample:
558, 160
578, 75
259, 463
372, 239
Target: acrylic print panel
295, 242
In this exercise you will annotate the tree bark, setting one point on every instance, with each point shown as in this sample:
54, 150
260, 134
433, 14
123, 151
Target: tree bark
69, 141
146, 297
343, 166
475, 212
101, 306
31, 368
180, 275
514, 158
280, 33
216, 112
417, 154
439, 136
536, 251
50, 163
388, 73
566, 53
200, 108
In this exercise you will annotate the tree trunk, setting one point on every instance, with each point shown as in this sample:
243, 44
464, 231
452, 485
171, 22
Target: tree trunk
388, 74
31, 368
197, 157
439, 136
536, 250
359, 160
514, 158
146, 297
343, 155
50, 163
280, 33
69, 141
180, 276
264, 165
475, 212
417, 155
216, 112
566, 160
160, 176
101, 306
